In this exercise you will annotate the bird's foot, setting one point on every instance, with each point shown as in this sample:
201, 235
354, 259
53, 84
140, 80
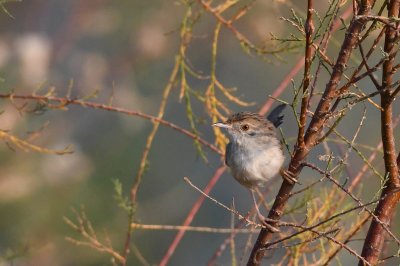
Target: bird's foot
264, 221
289, 177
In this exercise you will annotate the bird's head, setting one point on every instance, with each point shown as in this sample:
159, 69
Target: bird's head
247, 126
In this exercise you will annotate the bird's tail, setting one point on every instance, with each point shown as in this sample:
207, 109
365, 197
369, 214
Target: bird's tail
275, 115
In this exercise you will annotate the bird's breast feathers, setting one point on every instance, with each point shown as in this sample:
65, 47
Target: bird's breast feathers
266, 164
252, 166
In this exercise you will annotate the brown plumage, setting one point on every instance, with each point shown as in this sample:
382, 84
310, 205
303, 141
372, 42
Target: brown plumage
254, 152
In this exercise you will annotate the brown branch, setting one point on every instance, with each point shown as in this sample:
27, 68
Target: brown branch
356, 180
354, 78
228, 24
345, 190
388, 21
346, 247
336, 24
63, 102
369, 71
234, 212
318, 235
309, 29
285, 224
66, 101
349, 43
84, 227
348, 235
308, 228
390, 195
312, 133
323, 44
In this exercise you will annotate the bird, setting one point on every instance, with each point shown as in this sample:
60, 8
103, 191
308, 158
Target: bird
254, 152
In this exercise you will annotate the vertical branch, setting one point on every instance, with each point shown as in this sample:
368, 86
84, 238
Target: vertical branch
179, 62
331, 92
386, 102
336, 24
150, 138
309, 29
311, 135
390, 196
146, 151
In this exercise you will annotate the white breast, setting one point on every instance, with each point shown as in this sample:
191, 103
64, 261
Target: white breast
253, 166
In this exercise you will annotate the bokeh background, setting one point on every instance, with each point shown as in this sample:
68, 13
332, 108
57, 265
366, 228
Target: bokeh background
125, 49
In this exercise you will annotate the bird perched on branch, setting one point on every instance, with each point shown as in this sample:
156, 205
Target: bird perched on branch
254, 152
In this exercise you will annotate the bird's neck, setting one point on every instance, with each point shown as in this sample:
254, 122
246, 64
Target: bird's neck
254, 144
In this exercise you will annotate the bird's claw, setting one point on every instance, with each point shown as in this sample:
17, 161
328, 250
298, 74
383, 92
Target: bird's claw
264, 222
289, 177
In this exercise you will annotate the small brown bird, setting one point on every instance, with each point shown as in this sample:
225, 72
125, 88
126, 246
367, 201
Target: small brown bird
254, 152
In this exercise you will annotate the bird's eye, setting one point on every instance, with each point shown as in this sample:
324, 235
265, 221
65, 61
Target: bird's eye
244, 127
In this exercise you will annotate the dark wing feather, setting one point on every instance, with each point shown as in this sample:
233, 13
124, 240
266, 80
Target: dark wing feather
275, 115
227, 151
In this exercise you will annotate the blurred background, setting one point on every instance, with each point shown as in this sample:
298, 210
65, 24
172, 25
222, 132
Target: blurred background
125, 49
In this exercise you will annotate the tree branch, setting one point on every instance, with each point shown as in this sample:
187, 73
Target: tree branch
312, 133
390, 195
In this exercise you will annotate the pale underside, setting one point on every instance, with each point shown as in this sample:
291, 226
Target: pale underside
252, 165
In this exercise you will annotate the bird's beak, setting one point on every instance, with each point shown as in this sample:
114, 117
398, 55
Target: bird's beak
222, 125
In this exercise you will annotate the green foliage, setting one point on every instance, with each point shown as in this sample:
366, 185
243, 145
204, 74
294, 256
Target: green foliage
2, 5
122, 200
9, 255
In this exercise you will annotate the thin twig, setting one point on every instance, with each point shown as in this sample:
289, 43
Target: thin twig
202, 229
376, 218
187, 180
66, 101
